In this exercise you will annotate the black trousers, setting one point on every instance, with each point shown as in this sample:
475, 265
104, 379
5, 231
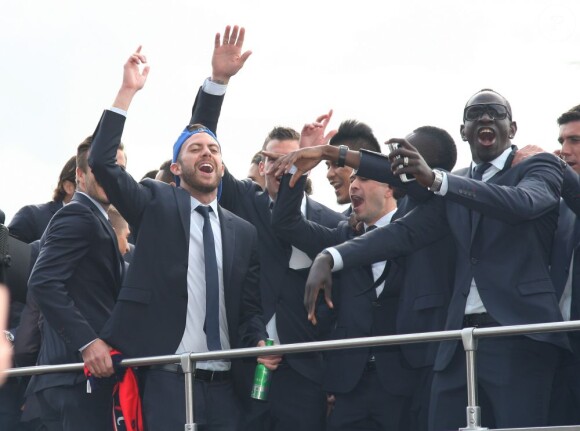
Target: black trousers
369, 407
515, 376
216, 407
70, 408
294, 403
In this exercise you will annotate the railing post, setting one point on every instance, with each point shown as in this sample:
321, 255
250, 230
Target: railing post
473, 410
188, 367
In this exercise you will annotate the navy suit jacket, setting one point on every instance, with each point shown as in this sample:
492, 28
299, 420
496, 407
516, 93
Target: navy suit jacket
505, 248
29, 223
75, 281
359, 313
149, 317
282, 288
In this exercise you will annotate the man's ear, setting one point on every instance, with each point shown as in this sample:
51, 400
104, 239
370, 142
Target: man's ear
262, 168
175, 169
462, 132
513, 129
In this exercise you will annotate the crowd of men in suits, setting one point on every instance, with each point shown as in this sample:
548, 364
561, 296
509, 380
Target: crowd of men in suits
198, 260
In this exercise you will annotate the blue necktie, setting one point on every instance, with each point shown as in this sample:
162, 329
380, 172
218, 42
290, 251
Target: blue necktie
480, 170
212, 291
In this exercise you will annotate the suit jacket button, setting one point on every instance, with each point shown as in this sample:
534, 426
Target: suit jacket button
474, 261
376, 304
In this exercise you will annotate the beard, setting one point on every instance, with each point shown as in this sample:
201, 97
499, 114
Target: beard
188, 176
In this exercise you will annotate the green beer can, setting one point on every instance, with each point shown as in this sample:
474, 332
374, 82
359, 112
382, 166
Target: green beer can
262, 377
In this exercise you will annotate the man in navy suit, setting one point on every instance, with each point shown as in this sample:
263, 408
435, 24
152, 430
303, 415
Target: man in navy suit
427, 273
565, 270
29, 222
296, 384
372, 387
75, 281
166, 305
503, 224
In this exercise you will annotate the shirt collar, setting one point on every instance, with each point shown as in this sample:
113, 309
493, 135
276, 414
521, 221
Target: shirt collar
498, 162
384, 220
97, 204
213, 204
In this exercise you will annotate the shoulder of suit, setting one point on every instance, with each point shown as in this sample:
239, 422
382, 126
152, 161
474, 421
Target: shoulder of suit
238, 222
327, 212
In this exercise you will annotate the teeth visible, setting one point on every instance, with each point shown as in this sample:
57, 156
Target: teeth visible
486, 130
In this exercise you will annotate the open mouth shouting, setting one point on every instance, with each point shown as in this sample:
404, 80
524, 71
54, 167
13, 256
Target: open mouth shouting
356, 201
206, 168
486, 136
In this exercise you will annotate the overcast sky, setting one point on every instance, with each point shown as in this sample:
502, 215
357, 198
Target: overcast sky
394, 65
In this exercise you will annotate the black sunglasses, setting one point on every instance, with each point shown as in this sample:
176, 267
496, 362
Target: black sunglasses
494, 110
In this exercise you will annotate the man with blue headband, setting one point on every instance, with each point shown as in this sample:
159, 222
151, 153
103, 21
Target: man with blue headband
296, 400
193, 283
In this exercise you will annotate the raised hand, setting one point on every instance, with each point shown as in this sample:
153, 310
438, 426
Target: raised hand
304, 159
133, 79
313, 134
227, 58
319, 278
410, 162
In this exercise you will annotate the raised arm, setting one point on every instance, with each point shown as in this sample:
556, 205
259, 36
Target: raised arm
126, 194
227, 60
133, 80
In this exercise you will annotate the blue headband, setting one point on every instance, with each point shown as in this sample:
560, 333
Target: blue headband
185, 135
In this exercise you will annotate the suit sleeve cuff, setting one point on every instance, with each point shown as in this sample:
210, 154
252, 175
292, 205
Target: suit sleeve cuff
336, 257
444, 186
87, 345
118, 111
214, 88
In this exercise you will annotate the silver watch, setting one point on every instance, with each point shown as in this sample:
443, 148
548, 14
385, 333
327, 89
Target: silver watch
437, 181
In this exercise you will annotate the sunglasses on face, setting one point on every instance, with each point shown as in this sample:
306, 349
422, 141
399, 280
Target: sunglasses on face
494, 110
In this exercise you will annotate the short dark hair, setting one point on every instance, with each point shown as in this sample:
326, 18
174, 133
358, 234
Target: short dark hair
489, 90
441, 152
68, 173
257, 158
572, 114
83, 153
356, 136
82, 157
116, 218
281, 134
150, 174
166, 174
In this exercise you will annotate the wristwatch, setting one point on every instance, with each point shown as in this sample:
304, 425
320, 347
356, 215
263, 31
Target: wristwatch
9, 337
437, 181
342, 150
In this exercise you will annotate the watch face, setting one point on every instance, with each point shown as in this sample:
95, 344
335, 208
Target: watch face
9, 336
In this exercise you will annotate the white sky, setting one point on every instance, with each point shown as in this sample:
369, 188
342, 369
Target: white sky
395, 65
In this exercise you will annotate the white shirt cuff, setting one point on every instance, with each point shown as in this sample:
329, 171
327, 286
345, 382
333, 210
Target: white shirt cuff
214, 88
87, 345
118, 111
338, 264
444, 186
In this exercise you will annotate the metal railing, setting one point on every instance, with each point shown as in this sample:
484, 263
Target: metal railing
468, 336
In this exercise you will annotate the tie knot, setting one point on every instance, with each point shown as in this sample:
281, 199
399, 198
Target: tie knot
480, 169
371, 227
204, 210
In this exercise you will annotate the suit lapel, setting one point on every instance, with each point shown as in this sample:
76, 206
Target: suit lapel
313, 212
475, 215
184, 208
228, 246
109, 228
